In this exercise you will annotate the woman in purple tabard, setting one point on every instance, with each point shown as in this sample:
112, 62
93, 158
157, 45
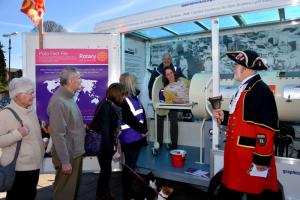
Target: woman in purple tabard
134, 131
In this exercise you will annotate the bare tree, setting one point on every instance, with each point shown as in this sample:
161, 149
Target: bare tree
3, 72
50, 26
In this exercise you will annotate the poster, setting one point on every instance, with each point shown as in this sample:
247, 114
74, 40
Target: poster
277, 45
135, 59
93, 67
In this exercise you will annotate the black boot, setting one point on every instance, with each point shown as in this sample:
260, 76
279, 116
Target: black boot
105, 197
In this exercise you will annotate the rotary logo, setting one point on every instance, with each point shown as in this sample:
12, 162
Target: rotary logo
102, 56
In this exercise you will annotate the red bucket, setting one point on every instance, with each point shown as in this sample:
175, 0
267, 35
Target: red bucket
178, 157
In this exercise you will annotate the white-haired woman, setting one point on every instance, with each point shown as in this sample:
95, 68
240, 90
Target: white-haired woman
22, 94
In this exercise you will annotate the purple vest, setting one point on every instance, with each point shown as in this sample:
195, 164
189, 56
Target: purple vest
129, 135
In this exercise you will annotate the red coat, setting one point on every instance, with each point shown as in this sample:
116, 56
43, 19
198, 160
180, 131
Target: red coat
243, 148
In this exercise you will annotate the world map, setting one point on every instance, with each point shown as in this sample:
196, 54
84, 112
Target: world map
87, 89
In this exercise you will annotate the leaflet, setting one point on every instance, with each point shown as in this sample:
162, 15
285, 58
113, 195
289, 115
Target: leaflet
254, 172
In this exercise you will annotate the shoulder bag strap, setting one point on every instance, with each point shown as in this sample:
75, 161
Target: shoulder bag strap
19, 142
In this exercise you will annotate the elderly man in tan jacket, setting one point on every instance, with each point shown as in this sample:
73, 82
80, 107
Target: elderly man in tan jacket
67, 132
21, 91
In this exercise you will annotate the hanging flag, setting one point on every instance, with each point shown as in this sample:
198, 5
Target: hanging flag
34, 9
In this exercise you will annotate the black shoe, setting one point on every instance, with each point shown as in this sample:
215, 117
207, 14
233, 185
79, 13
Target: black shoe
172, 146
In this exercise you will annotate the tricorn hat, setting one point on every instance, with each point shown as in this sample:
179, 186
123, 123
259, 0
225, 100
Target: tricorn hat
248, 59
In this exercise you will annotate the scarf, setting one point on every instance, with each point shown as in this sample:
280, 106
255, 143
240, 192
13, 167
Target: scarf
118, 110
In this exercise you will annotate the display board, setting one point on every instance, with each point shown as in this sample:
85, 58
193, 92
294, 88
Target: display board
93, 67
72, 41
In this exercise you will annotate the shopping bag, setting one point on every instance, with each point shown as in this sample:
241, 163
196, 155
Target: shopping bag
8, 172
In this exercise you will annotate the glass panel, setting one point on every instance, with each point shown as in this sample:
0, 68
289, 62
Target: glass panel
155, 33
184, 28
292, 12
227, 22
206, 23
261, 17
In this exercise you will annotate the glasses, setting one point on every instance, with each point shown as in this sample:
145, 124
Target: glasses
31, 93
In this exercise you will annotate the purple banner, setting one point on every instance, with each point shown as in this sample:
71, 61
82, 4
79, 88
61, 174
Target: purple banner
94, 84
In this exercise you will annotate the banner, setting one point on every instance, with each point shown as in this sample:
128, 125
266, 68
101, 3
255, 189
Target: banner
93, 67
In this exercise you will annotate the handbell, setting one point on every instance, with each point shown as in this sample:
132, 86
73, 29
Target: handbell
215, 102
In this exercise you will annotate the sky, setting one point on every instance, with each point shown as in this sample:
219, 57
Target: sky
73, 15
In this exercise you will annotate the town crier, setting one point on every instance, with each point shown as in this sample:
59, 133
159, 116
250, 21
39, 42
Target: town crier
252, 121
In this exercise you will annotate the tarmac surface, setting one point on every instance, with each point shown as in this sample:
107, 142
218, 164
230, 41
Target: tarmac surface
88, 186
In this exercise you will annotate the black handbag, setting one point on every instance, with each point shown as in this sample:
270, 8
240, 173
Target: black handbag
8, 172
92, 143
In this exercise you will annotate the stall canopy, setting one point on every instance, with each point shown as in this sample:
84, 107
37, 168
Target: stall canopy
226, 22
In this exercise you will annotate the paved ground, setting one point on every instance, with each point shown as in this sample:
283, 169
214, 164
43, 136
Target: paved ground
89, 183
